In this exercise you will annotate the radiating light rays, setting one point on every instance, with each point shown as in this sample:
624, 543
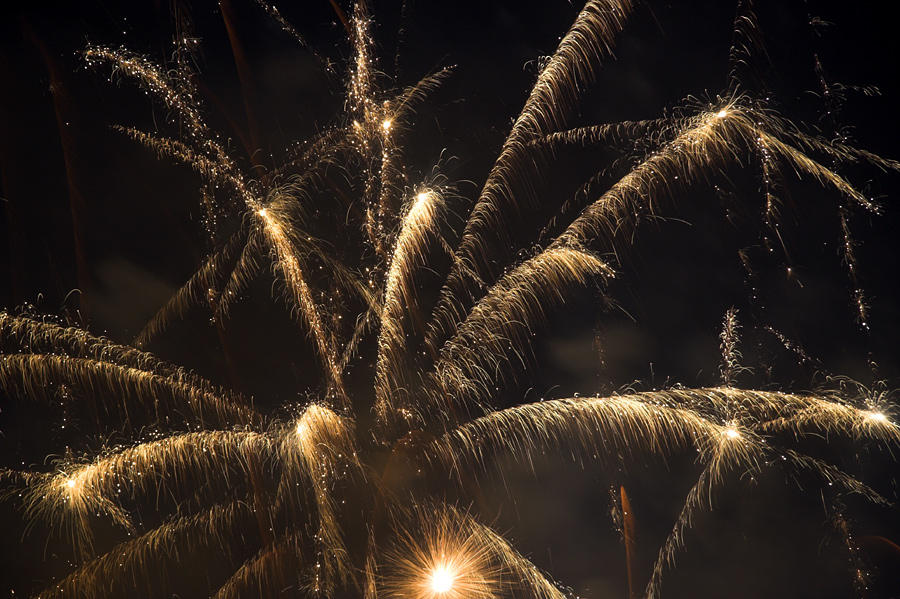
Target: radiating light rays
440, 555
443, 553
878, 417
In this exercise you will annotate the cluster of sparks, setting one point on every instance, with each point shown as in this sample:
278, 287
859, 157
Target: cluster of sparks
283, 486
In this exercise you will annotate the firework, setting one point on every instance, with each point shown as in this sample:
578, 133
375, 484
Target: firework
420, 312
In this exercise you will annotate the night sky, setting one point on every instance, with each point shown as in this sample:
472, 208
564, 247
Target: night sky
100, 231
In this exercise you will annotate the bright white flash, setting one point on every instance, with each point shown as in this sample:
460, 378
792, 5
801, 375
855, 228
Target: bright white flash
441, 580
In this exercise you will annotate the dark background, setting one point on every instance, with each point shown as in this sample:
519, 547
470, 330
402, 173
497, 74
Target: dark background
100, 231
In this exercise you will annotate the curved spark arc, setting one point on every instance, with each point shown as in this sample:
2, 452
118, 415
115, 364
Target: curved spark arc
581, 50
29, 375
70, 497
418, 226
213, 531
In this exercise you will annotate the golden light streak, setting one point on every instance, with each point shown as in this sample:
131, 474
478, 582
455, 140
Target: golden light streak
320, 450
587, 43
287, 261
418, 227
137, 558
194, 400
498, 331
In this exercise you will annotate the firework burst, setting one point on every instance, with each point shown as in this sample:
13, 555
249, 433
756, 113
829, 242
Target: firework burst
423, 336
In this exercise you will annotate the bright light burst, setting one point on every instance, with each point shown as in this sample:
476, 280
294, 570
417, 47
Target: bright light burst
318, 498
442, 578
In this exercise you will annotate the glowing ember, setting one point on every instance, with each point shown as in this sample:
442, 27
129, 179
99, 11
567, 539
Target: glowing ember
441, 580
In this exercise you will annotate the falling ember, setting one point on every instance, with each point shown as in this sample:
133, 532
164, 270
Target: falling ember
628, 536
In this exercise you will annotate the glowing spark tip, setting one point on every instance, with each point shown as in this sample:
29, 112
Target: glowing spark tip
877, 416
441, 580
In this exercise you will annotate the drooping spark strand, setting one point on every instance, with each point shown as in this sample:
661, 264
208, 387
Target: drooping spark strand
70, 498
216, 532
588, 41
498, 330
315, 452
418, 226
277, 230
157, 395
